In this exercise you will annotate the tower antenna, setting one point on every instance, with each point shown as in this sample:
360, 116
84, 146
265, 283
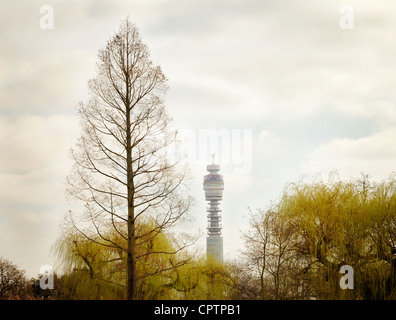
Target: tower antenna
214, 185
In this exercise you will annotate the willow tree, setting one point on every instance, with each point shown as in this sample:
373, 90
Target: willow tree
298, 247
95, 271
345, 223
123, 173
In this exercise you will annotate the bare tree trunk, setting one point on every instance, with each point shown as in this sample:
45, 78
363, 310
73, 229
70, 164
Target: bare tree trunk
131, 255
262, 282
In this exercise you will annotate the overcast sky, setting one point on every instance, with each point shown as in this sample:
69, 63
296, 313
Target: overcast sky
315, 97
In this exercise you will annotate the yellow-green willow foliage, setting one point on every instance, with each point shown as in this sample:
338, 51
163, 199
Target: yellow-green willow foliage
344, 223
90, 270
96, 268
201, 279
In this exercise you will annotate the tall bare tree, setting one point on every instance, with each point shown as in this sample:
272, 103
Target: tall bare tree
122, 173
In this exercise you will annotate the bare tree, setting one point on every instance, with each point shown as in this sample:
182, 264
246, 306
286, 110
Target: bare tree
257, 243
282, 261
122, 173
13, 282
271, 253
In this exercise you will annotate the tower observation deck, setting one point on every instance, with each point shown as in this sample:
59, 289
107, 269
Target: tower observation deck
214, 185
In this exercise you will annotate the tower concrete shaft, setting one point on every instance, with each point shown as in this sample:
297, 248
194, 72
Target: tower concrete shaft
214, 185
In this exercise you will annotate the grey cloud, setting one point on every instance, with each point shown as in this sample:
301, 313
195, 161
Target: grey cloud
280, 67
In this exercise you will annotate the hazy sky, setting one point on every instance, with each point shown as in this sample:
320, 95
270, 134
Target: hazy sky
316, 97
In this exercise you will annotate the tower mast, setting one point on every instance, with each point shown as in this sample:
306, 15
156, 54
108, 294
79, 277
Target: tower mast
214, 185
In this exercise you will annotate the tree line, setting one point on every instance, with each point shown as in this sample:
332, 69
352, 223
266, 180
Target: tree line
293, 250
